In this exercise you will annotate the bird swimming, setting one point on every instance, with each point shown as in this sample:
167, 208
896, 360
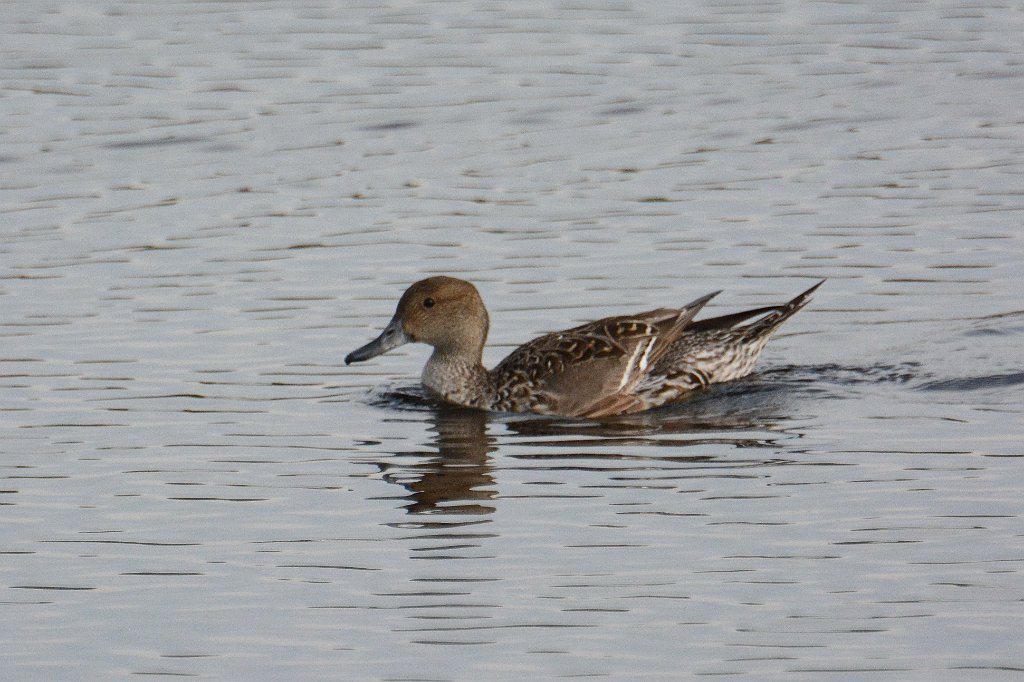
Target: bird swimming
615, 365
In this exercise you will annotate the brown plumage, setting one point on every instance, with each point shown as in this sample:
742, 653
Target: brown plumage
615, 365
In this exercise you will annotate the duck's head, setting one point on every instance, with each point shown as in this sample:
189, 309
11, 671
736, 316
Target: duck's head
444, 312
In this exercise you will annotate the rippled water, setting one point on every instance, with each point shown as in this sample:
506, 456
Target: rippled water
206, 205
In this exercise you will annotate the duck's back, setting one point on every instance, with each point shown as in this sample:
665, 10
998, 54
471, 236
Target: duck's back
589, 369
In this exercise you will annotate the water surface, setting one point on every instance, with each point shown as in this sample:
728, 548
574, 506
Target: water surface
205, 206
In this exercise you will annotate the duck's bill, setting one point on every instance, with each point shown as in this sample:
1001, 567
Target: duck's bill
391, 337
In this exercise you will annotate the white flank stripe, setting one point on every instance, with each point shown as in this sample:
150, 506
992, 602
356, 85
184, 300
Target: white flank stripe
637, 362
647, 355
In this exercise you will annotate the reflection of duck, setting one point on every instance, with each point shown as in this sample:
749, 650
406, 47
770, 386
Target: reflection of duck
459, 476
616, 365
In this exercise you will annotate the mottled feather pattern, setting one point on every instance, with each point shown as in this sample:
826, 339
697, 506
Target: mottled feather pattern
616, 365
519, 380
715, 352
719, 354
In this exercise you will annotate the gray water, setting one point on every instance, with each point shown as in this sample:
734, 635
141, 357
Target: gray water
204, 206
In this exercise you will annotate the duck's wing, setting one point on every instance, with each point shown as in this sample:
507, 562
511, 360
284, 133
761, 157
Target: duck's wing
589, 370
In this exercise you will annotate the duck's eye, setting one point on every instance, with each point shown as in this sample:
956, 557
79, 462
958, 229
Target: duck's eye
428, 303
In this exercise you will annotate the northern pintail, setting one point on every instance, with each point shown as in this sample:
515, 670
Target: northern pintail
616, 365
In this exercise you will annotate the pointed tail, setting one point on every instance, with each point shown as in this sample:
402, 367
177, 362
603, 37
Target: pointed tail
779, 314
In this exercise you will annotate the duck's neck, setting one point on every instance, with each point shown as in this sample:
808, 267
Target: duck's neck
458, 378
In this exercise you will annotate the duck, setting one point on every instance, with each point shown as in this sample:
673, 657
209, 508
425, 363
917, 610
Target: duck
612, 366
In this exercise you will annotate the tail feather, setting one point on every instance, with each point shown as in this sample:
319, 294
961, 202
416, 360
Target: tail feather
779, 314
774, 319
711, 324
